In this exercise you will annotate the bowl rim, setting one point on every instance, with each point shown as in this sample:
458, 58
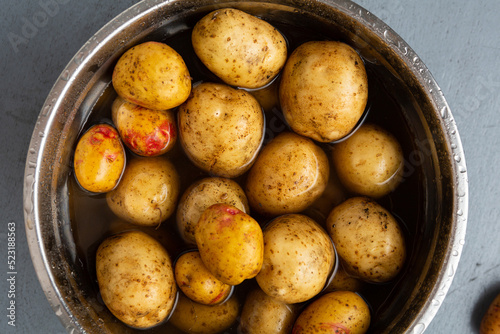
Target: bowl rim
113, 28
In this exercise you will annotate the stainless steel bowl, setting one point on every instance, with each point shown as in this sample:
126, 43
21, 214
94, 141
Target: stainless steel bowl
438, 152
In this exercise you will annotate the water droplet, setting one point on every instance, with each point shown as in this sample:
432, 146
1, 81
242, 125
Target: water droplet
435, 302
416, 60
32, 151
444, 112
58, 310
46, 110
419, 328
451, 273
457, 158
41, 134
462, 169
460, 212
461, 242
79, 58
65, 75
455, 253
453, 146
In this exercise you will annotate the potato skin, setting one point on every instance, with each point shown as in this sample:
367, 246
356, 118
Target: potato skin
221, 129
290, 173
370, 162
201, 195
368, 239
263, 314
239, 48
336, 312
298, 259
152, 75
148, 192
196, 281
136, 279
323, 90
146, 132
194, 318
99, 159
230, 242
490, 323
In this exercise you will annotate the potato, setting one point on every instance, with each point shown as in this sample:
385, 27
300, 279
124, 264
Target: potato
335, 312
290, 173
491, 320
196, 281
368, 239
152, 75
239, 48
136, 279
194, 318
343, 281
230, 243
323, 90
221, 129
202, 194
99, 159
263, 314
146, 132
147, 193
370, 162
298, 259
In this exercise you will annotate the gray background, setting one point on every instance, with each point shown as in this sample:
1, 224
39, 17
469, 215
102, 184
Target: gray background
458, 40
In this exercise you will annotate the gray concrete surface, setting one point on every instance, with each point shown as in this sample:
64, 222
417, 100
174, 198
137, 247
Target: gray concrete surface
458, 40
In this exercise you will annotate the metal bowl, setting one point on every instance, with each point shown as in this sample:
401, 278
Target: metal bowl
437, 153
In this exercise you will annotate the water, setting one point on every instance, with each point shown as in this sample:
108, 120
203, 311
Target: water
92, 221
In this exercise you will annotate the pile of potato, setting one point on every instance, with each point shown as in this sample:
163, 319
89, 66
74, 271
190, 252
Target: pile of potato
307, 272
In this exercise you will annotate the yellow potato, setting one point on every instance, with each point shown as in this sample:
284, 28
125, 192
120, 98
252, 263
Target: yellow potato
323, 90
343, 281
202, 194
221, 129
335, 312
239, 48
196, 281
298, 259
263, 314
194, 318
136, 279
491, 320
152, 75
290, 173
230, 243
148, 192
368, 239
370, 162
146, 132
99, 159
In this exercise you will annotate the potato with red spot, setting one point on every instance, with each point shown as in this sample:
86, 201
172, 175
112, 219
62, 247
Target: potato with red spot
152, 75
99, 159
298, 259
136, 279
230, 242
370, 162
148, 192
194, 318
239, 48
336, 312
144, 131
197, 282
368, 239
201, 195
323, 90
